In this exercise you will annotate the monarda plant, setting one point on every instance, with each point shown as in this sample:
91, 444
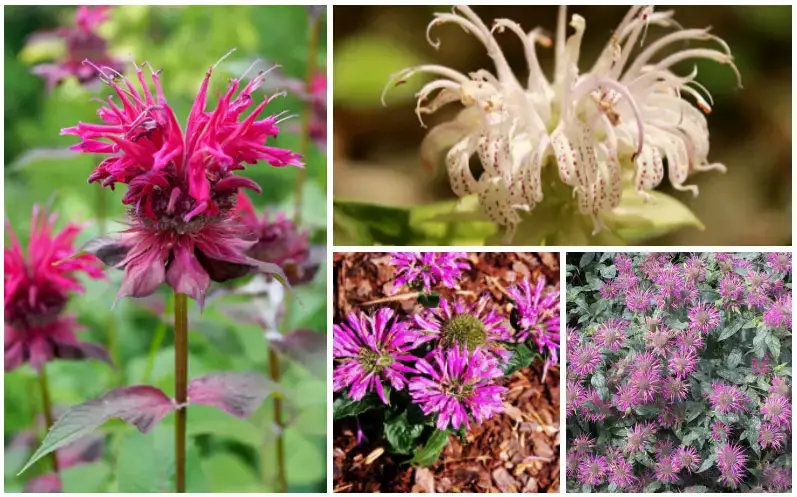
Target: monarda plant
187, 226
679, 372
441, 369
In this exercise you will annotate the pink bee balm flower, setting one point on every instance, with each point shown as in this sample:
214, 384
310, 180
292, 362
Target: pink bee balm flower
720, 431
81, 42
638, 437
582, 443
703, 317
770, 435
695, 269
574, 396
371, 349
777, 410
621, 473
686, 458
731, 462
778, 315
424, 271
639, 300
761, 367
727, 399
279, 241
593, 470
37, 285
780, 262
625, 399
583, 359
181, 184
537, 317
611, 334
674, 389
666, 471
456, 382
777, 479
780, 386
683, 362
594, 408
459, 324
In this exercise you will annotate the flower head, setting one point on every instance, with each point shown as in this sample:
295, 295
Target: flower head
776, 409
727, 399
674, 389
639, 300
720, 431
625, 112
638, 437
732, 289
780, 262
689, 339
610, 290
779, 386
425, 270
182, 187
778, 315
456, 382
594, 408
583, 359
683, 362
593, 470
658, 340
666, 469
37, 284
279, 241
460, 324
777, 478
695, 269
611, 334
574, 396
621, 473
686, 458
81, 42
537, 316
583, 443
731, 462
703, 317
770, 435
625, 399
371, 349
646, 383
761, 367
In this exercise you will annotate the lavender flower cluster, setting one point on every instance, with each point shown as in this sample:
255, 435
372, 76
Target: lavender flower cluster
451, 358
678, 372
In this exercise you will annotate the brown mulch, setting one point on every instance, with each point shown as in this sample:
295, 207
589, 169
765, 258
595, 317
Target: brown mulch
517, 451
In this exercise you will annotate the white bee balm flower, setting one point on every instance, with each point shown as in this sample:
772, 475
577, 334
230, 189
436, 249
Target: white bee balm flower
624, 112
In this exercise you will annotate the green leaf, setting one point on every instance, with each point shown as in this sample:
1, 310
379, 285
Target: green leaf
522, 356
146, 463
229, 473
730, 330
401, 434
653, 487
734, 359
636, 220
646, 410
430, 300
706, 464
598, 380
773, 343
85, 478
344, 407
696, 489
586, 258
430, 452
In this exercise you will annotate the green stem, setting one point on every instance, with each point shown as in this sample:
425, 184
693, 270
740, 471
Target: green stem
102, 210
274, 372
48, 410
304, 144
180, 385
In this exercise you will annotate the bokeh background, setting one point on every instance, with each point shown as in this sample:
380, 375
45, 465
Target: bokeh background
376, 154
225, 453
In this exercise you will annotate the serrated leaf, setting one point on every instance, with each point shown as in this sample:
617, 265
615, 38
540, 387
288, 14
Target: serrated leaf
734, 359
730, 331
586, 258
598, 380
430, 452
773, 344
238, 394
522, 356
141, 406
401, 434
706, 464
345, 407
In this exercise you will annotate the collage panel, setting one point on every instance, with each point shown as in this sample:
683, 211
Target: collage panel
678, 374
165, 238
545, 125
446, 372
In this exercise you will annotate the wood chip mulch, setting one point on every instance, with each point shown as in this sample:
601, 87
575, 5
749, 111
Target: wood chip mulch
517, 451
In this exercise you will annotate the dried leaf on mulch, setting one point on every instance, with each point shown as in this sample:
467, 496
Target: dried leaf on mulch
517, 451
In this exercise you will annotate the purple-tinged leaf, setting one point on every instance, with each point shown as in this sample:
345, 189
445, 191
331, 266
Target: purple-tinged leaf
108, 248
48, 483
141, 406
305, 347
238, 394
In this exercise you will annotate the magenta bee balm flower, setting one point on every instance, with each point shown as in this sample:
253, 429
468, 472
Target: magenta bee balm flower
461, 324
621, 473
583, 359
777, 410
426, 270
703, 317
611, 334
683, 362
731, 462
456, 382
770, 435
574, 396
182, 186
686, 458
727, 399
780, 262
37, 284
583, 443
538, 316
778, 315
593, 470
371, 349
639, 300
666, 471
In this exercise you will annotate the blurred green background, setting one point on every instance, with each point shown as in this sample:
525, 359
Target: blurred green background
226, 453
377, 148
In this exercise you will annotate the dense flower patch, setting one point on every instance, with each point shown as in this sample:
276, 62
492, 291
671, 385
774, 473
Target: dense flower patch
679, 372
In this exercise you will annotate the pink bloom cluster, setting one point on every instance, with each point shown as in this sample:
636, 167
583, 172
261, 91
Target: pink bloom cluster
424, 271
182, 183
651, 364
37, 285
